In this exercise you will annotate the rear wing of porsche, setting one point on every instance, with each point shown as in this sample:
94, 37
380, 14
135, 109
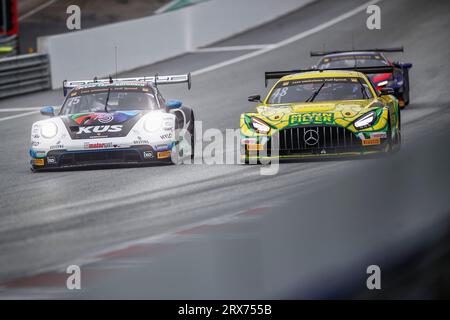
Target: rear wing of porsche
367, 70
155, 80
324, 53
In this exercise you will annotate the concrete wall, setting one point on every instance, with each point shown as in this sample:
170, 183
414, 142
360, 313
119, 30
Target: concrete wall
88, 53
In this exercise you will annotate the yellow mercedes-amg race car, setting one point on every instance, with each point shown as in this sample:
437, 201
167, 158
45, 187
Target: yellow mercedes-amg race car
321, 114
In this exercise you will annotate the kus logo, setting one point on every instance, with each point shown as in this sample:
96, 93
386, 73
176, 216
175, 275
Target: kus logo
311, 118
100, 129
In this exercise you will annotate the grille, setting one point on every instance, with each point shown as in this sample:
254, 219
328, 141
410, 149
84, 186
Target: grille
99, 157
316, 139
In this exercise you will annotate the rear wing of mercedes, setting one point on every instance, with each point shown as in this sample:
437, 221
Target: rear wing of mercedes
367, 70
324, 53
155, 80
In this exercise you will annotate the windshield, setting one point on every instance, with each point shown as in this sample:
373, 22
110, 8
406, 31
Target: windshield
89, 100
322, 89
350, 61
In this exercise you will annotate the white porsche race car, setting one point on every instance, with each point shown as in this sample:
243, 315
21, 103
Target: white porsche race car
112, 122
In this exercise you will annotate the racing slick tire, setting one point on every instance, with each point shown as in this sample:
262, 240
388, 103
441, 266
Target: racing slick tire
186, 116
405, 94
394, 145
191, 130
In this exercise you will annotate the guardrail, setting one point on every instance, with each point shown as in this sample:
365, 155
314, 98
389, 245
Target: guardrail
9, 46
23, 74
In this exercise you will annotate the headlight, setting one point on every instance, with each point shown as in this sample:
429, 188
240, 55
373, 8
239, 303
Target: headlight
366, 120
49, 130
152, 124
260, 126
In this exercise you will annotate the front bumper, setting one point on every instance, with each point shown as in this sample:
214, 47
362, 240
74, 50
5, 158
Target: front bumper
332, 141
55, 159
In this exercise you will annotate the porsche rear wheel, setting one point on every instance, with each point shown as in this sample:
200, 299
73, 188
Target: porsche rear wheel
191, 130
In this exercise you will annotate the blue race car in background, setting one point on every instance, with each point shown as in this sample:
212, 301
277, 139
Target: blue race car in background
398, 80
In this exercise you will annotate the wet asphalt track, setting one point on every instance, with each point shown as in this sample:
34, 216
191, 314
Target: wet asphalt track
53, 219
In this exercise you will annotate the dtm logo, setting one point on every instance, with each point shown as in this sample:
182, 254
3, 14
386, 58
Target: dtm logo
100, 129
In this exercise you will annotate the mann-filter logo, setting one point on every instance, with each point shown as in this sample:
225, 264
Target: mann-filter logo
100, 129
311, 118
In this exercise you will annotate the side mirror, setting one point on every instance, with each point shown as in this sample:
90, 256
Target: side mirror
386, 91
48, 111
255, 98
407, 65
173, 104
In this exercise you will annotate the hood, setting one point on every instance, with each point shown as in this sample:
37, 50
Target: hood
100, 124
340, 113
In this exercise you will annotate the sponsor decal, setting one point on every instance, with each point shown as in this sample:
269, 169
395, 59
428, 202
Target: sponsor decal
57, 146
34, 143
249, 140
148, 154
161, 147
381, 135
166, 136
38, 162
371, 142
95, 118
141, 142
311, 118
51, 160
105, 117
322, 80
255, 147
88, 145
164, 154
100, 129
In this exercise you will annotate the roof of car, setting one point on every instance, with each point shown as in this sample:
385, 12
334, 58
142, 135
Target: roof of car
322, 74
353, 53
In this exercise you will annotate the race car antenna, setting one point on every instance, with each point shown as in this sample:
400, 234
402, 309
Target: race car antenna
353, 49
115, 51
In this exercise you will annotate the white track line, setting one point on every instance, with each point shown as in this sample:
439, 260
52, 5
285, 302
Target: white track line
18, 115
233, 48
287, 41
36, 10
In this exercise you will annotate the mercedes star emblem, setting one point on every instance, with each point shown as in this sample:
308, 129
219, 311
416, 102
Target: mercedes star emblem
311, 137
